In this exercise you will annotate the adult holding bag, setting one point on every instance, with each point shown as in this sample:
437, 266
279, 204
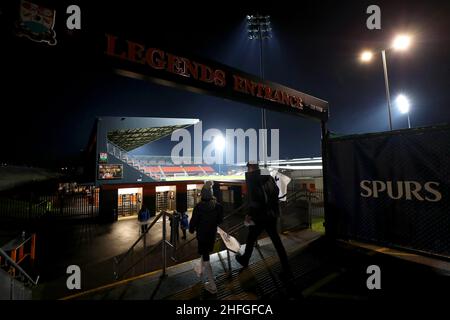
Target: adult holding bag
263, 215
206, 216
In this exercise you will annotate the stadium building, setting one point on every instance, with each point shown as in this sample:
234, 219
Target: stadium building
128, 181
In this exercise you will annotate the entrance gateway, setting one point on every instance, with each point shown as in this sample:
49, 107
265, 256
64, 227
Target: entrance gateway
163, 185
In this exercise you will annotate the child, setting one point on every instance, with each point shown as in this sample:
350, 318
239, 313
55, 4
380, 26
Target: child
143, 217
184, 224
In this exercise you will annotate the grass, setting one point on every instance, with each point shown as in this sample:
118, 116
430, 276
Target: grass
317, 224
212, 177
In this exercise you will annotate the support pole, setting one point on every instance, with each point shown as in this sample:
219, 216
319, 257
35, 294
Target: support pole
330, 227
164, 253
263, 110
386, 84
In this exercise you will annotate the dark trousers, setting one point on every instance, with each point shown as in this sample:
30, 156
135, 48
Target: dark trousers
271, 228
205, 248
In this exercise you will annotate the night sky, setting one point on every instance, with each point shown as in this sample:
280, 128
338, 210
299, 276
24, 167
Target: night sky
50, 96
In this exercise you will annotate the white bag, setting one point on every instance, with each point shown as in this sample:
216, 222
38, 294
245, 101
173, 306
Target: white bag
230, 242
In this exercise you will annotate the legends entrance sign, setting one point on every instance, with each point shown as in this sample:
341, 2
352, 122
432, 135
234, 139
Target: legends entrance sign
137, 60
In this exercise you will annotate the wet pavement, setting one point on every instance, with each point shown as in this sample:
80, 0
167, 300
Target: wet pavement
94, 247
182, 276
324, 272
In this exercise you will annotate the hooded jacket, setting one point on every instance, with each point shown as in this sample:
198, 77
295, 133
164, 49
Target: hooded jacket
207, 215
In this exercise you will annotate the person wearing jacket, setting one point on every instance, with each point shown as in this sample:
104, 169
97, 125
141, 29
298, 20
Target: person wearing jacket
143, 218
206, 216
262, 194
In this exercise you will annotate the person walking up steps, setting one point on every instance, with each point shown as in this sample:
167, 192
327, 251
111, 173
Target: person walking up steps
263, 215
207, 215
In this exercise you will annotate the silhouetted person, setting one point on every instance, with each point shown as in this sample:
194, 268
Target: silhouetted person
207, 215
262, 196
184, 224
174, 224
143, 218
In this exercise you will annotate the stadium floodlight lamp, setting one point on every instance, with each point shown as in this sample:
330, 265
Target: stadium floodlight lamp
402, 103
366, 56
219, 143
403, 106
401, 42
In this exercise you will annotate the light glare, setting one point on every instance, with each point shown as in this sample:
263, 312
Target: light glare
219, 143
402, 103
401, 42
366, 56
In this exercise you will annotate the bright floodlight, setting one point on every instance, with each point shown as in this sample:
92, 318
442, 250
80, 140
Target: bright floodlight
219, 143
366, 56
401, 42
402, 103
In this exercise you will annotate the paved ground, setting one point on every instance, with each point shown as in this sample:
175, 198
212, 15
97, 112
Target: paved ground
93, 247
181, 276
324, 273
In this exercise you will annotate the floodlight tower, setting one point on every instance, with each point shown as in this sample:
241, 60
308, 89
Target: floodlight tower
258, 28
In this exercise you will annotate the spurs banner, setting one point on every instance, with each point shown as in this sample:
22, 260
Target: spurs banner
392, 188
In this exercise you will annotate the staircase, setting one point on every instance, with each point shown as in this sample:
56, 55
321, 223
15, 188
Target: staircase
132, 161
15, 257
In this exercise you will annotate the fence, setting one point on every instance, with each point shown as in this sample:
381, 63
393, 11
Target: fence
391, 188
302, 209
15, 282
61, 205
139, 256
12, 289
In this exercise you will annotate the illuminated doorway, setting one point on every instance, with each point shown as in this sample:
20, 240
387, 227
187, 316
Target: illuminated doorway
129, 201
166, 198
193, 195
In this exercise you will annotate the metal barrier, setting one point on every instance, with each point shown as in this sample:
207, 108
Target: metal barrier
61, 205
18, 250
163, 242
312, 198
301, 209
16, 283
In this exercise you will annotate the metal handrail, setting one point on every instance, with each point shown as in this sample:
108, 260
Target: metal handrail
139, 239
235, 211
293, 196
128, 156
16, 266
164, 242
185, 243
231, 231
143, 257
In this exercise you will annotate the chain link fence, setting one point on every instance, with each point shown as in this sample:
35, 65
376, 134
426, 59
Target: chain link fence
392, 188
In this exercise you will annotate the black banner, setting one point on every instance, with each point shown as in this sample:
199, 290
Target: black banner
392, 188
141, 61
